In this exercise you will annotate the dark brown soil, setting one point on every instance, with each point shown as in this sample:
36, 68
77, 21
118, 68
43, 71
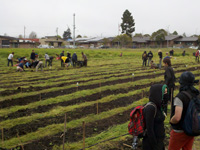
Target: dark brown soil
76, 114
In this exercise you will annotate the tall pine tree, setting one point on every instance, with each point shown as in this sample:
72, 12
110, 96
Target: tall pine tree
67, 34
127, 25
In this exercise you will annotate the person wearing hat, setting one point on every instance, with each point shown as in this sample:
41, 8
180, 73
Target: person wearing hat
61, 54
160, 58
178, 138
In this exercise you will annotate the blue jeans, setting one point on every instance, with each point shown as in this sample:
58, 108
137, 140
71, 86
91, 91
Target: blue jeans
10, 60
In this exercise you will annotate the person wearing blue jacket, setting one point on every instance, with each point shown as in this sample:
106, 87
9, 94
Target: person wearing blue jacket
74, 59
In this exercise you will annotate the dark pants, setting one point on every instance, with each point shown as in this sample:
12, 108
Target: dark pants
62, 63
10, 60
74, 63
158, 146
144, 62
49, 62
197, 58
85, 63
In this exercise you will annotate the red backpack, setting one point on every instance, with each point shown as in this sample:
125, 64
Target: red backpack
136, 126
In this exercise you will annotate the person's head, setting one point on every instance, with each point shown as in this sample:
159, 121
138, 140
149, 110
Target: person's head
167, 62
159, 94
33, 51
187, 80
145, 52
167, 53
63, 51
149, 51
82, 53
13, 53
151, 62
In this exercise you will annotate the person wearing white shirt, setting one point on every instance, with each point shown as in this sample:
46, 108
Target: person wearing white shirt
10, 58
47, 59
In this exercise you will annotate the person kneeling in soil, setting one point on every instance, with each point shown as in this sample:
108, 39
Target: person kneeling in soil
38, 64
65, 61
153, 65
20, 66
154, 118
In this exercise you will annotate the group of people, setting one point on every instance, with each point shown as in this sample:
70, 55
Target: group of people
36, 63
160, 95
68, 60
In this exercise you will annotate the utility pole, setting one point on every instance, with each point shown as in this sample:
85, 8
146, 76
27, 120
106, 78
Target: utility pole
24, 31
57, 32
74, 32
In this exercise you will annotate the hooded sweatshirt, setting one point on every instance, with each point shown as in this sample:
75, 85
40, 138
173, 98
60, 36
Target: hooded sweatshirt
154, 126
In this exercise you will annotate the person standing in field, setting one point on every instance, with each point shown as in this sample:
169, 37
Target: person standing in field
150, 56
33, 56
178, 138
61, 54
169, 77
160, 58
10, 58
197, 55
154, 116
144, 58
47, 59
74, 59
84, 59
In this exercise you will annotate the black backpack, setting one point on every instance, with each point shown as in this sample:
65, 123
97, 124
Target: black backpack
191, 123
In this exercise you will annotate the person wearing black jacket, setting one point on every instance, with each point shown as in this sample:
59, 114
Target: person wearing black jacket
169, 77
160, 58
150, 56
178, 138
74, 59
33, 56
154, 116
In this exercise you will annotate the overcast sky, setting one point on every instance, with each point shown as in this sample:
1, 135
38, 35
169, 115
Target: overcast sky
97, 17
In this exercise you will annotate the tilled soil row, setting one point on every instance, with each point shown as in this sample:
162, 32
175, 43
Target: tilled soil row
54, 77
93, 97
30, 99
72, 115
38, 97
31, 89
31, 80
75, 134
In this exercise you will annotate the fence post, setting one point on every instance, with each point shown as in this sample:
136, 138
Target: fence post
2, 136
64, 131
83, 135
20, 142
97, 108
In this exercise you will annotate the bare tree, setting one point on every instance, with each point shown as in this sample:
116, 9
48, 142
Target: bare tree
33, 35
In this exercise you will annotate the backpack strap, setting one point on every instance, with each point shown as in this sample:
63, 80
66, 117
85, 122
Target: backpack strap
154, 105
187, 94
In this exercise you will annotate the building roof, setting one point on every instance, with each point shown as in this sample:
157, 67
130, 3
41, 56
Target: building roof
8, 37
34, 40
141, 39
91, 40
172, 37
187, 39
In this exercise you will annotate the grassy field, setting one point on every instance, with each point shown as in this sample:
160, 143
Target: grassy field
33, 104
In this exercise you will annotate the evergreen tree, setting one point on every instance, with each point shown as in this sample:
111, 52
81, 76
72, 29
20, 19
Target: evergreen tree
127, 24
67, 34
175, 33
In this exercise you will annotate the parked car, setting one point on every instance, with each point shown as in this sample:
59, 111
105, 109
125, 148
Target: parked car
103, 47
43, 46
193, 47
